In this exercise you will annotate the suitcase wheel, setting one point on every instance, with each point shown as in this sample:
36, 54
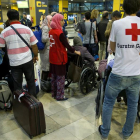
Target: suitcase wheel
45, 132
31, 137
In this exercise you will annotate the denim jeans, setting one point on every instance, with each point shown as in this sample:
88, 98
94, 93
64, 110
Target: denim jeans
114, 86
28, 70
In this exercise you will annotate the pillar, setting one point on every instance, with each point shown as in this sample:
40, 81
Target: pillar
37, 8
63, 7
14, 7
117, 5
1, 17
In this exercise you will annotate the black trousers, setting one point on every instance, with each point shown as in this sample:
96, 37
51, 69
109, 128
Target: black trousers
17, 74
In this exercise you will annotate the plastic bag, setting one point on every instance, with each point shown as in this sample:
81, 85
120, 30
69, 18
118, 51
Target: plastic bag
38, 74
110, 57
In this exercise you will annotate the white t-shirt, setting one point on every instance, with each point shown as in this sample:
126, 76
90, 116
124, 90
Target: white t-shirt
18, 52
126, 33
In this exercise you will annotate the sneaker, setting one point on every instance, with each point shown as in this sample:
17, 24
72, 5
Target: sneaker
123, 138
99, 131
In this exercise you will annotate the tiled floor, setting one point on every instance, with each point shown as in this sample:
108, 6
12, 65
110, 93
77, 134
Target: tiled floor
73, 119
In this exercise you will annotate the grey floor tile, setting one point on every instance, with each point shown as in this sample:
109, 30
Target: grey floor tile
70, 102
8, 123
92, 119
45, 98
17, 134
61, 134
51, 108
94, 136
81, 129
65, 117
84, 108
51, 125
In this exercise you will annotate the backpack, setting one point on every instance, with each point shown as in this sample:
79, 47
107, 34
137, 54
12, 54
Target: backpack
81, 28
38, 35
5, 96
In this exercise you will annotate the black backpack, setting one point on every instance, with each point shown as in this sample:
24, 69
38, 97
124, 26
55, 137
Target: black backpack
81, 28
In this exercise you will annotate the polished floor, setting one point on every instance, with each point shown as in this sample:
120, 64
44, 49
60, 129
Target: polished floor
73, 119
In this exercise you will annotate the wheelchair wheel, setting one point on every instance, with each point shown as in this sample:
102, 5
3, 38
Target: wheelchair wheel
99, 99
87, 80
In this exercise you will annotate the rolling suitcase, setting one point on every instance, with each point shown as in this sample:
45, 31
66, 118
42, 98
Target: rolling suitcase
29, 113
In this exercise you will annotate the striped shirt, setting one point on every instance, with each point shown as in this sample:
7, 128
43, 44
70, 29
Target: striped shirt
18, 52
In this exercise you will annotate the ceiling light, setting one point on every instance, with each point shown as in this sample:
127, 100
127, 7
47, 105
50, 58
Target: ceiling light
71, 0
85, 1
69, 3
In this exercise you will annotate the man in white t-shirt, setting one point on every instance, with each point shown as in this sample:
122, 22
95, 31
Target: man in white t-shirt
125, 41
20, 55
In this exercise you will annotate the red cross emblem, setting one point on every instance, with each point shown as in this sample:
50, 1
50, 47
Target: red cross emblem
134, 31
52, 41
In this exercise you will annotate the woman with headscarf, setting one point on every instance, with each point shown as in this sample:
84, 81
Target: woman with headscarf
44, 54
58, 56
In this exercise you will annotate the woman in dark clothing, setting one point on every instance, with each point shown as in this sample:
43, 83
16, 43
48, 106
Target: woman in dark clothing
58, 56
78, 45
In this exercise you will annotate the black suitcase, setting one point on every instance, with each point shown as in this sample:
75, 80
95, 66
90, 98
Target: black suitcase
29, 113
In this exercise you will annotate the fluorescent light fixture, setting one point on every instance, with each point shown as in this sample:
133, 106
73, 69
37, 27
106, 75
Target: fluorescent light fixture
69, 3
22, 4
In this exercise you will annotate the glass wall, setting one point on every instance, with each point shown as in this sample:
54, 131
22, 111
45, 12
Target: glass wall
82, 7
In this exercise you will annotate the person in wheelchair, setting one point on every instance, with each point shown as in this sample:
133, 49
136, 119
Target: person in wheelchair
78, 46
125, 74
81, 69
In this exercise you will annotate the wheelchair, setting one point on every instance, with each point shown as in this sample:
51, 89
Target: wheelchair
87, 79
101, 91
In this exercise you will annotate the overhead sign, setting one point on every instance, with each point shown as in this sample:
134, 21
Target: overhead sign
41, 8
65, 13
122, 11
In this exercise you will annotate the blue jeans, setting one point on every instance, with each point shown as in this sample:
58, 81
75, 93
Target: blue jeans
114, 86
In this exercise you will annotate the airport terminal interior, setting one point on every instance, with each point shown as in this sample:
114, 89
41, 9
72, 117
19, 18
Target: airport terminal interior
75, 118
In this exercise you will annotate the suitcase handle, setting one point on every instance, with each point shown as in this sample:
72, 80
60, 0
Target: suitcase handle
21, 95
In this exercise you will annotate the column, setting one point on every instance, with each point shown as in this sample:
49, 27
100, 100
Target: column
117, 5
1, 17
14, 6
37, 8
63, 7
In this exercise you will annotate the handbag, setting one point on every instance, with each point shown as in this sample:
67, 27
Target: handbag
74, 71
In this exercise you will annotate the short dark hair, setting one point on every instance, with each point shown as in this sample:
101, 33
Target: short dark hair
138, 14
87, 15
131, 6
13, 14
116, 14
24, 13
